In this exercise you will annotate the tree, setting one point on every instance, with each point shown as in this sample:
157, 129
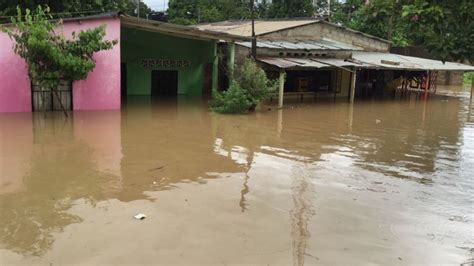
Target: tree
291, 9
444, 28
73, 8
189, 12
51, 58
381, 18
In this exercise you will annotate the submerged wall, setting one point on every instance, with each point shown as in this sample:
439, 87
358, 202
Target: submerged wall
99, 91
140, 45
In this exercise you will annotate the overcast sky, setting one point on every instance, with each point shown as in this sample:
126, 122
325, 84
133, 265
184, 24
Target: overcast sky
157, 5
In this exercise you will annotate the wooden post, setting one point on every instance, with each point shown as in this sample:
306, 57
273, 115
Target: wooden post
231, 60
472, 87
353, 86
281, 88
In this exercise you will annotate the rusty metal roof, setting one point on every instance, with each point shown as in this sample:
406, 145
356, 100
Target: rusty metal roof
324, 44
244, 27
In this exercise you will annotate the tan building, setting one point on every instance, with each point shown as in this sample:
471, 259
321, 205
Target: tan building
321, 59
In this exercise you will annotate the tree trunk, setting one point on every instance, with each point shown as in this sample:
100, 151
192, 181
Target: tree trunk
60, 102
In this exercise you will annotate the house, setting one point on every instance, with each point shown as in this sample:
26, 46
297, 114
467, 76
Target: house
154, 59
322, 59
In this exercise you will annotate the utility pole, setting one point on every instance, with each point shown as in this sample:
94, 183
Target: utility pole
254, 38
329, 10
138, 8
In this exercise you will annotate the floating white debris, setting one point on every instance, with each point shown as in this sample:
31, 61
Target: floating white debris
140, 216
377, 121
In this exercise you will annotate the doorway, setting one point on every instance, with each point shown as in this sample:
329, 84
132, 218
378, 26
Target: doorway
52, 100
123, 80
164, 83
207, 80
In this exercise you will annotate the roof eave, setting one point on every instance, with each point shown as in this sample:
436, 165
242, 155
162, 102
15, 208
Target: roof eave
185, 31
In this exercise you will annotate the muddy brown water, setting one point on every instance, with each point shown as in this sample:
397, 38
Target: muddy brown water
377, 182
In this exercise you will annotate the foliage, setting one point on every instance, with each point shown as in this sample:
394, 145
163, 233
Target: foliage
468, 78
250, 87
381, 18
290, 9
198, 11
69, 8
50, 56
234, 100
444, 28
254, 81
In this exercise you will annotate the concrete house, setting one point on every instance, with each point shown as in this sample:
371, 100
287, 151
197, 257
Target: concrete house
311, 57
152, 59
322, 59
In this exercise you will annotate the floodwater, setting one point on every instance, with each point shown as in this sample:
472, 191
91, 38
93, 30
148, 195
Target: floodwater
377, 182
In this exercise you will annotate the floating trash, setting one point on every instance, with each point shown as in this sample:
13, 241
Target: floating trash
140, 216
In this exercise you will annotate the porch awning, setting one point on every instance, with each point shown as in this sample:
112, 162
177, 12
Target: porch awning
306, 45
366, 60
402, 62
291, 62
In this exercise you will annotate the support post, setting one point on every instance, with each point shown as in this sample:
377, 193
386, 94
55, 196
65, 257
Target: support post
254, 37
231, 60
353, 86
472, 87
281, 88
215, 70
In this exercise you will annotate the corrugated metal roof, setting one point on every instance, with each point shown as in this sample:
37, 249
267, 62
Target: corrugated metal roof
367, 60
291, 62
339, 62
324, 44
244, 27
396, 61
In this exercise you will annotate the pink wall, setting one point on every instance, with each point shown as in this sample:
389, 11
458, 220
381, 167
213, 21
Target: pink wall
15, 93
100, 91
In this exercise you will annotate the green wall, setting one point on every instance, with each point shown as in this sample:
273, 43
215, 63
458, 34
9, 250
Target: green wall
137, 45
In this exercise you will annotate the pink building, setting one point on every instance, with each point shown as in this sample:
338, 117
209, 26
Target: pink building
189, 53
101, 89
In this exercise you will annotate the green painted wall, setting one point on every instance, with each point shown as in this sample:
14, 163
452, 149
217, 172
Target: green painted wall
137, 45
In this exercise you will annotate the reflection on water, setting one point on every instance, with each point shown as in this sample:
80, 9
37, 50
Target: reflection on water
313, 183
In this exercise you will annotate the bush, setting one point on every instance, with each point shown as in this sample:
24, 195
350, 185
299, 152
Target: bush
254, 80
468, 78
250, 87
234, 100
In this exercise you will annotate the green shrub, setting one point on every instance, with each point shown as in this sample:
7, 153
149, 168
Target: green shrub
234, 100
250, 87
254, 80
468, 77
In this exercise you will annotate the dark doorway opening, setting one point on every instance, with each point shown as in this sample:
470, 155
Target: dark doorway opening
301, 81
164, 83
123, 80
207, 81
